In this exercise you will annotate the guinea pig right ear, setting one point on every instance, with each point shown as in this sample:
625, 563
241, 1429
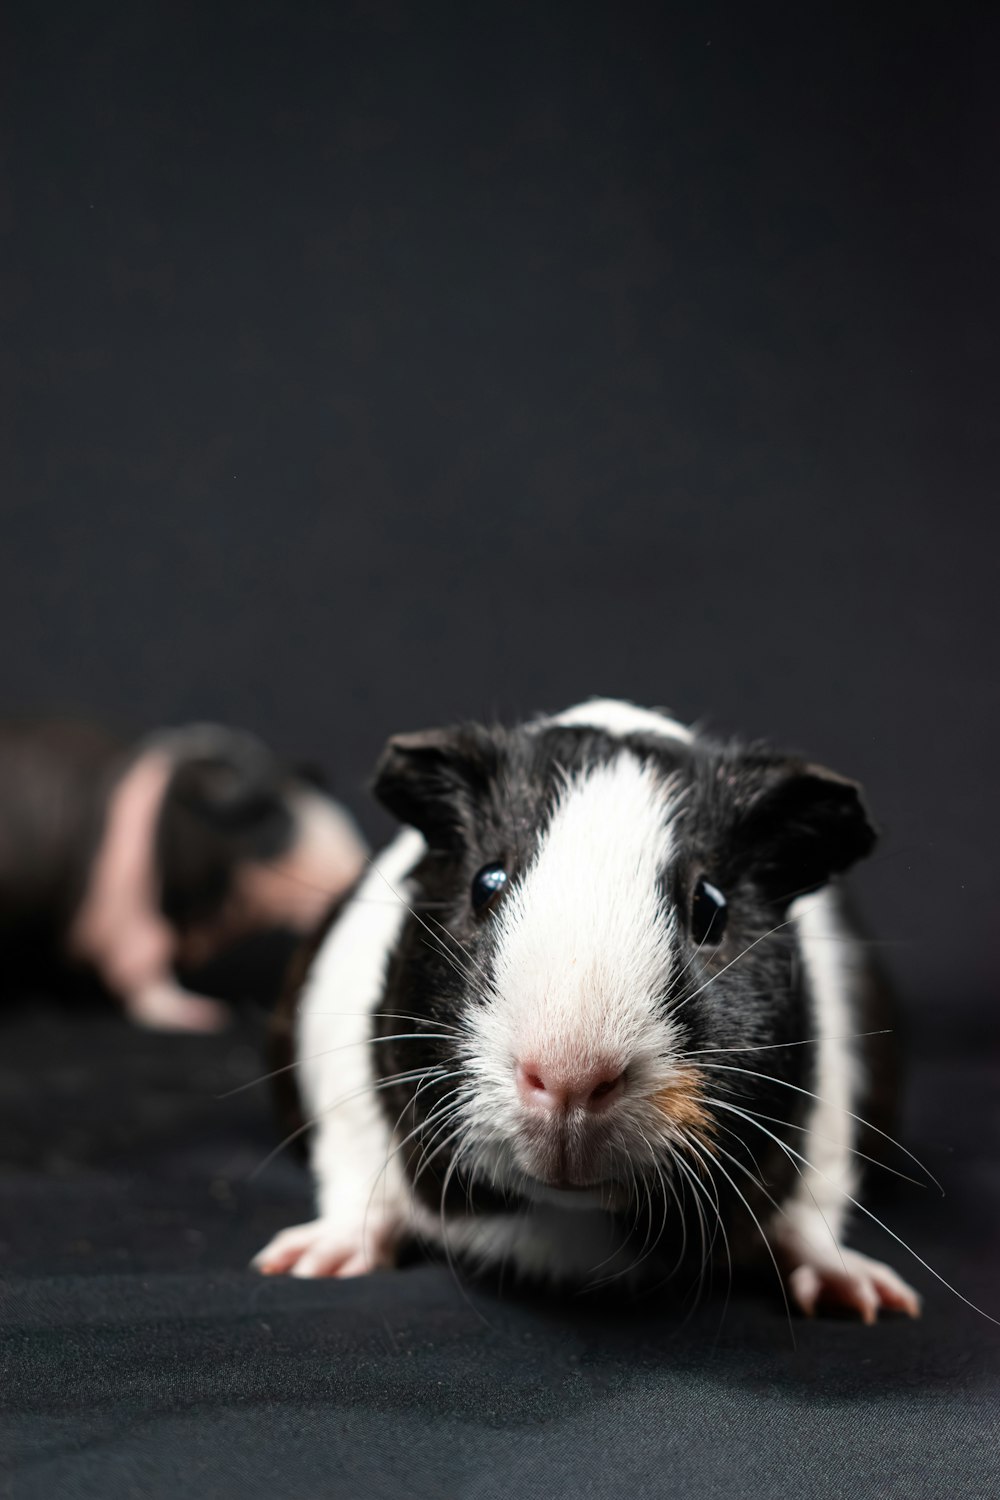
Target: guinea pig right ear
801, 825
432, 779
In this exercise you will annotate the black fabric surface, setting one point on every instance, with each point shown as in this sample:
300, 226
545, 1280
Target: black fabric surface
141, 1357
366, 365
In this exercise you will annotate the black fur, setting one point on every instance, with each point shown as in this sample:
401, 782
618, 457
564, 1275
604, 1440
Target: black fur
763, 828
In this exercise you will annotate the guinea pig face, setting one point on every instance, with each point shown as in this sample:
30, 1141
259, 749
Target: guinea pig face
603, 912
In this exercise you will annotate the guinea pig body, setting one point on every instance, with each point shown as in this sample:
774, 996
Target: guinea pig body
595, 1013
129, 859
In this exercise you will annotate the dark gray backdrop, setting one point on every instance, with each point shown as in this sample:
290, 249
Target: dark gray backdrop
373, 364
369, 364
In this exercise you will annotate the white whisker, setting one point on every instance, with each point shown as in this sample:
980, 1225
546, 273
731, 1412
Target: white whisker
809, 1094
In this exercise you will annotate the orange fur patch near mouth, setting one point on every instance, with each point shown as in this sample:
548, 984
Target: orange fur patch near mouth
680, 1102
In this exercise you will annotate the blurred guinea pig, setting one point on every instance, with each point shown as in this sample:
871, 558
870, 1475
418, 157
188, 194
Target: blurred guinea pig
127, 860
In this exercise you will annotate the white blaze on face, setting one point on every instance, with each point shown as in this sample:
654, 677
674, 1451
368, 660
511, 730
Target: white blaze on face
584, 950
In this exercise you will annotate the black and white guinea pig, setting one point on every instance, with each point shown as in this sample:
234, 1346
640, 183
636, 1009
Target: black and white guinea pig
597, 1012
130, 859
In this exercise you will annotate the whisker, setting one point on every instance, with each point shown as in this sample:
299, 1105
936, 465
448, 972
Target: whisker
382, 1175
808, 1130
796, 1088
328, 1109
437, 1118
390, 1015
647, 1248
298, 1062
789, 921
667, 1182
449, 958
389, 901
461, 946
809, 1041
891, 1232
720, 1222
664, 1179
340, 893
427, 1157
447, 1246
466, 974
767, 1243
699, 1197
391, 1155
802, 1177
741, 1167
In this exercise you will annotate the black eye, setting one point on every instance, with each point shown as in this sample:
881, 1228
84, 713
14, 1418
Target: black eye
708, 912
487, 886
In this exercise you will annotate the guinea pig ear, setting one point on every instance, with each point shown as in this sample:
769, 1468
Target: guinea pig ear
803, 825
238, 795
432, 779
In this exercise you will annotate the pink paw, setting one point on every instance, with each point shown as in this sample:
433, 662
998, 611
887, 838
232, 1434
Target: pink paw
166, 1007
322, 1248
866, 1286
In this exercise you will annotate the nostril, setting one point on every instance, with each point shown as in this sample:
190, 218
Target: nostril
604, 1092
538, 1091
589, 1089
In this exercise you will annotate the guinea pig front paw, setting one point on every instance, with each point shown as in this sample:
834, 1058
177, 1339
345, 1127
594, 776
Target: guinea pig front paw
853, 1281
325, 1248
164, 1006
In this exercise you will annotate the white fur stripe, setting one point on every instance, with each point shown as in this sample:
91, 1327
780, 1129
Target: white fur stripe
828, 958
585, 942
616, 717
344, 987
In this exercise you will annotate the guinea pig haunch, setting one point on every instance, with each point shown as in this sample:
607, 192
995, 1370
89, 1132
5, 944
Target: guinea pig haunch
597, 1012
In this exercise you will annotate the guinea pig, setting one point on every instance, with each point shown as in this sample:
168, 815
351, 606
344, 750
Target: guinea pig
598, 1012
129, 859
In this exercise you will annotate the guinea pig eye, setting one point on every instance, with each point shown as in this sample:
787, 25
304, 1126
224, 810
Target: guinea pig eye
708, 912
487, 887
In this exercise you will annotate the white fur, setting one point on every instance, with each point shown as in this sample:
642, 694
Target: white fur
350, 1143
808, 1235
817, 1205
585, 952
583, 943
619, 718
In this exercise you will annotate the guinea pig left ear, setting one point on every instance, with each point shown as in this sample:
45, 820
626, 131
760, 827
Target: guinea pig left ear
804, 825
431, 779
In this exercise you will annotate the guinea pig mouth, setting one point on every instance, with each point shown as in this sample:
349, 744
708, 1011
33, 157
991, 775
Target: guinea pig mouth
563, 1195
561, 1158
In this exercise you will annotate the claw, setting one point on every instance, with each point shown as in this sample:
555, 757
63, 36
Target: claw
323, 1248
863, 1285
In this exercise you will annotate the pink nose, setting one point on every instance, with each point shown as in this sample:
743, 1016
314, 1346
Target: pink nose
592, 1089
